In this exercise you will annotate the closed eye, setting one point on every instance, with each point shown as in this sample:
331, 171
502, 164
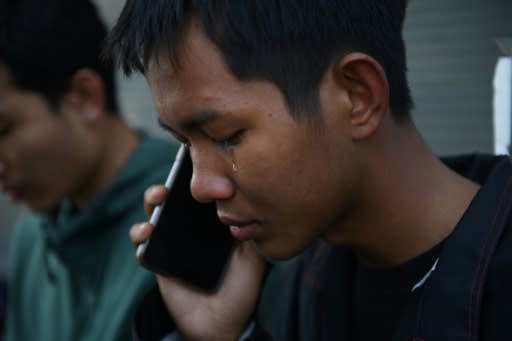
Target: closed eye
230, 141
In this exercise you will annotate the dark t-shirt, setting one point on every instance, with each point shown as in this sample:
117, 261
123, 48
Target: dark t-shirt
379, 295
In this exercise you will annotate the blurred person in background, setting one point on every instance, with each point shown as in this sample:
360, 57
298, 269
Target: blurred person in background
66, 154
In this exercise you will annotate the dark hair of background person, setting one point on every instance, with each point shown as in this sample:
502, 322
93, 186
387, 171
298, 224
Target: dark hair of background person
43, 43
288, 42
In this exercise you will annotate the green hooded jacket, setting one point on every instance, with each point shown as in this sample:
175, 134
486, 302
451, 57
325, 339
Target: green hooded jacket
72, 274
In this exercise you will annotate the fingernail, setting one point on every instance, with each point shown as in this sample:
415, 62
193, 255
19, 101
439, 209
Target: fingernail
142, 226
154, 191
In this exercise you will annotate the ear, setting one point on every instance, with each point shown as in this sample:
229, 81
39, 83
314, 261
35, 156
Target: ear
86, 94
366, 84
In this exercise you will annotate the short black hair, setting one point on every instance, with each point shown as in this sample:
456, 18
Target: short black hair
288, 42
44, 43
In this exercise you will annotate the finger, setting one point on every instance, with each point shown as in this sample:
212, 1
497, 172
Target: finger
153, 196
140, 232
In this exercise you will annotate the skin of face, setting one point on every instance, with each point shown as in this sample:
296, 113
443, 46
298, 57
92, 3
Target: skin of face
46, 155
291, 181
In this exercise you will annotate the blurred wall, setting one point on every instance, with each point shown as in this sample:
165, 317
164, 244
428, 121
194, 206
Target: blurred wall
452, 53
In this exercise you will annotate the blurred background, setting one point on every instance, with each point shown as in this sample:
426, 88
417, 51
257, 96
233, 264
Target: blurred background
453, 48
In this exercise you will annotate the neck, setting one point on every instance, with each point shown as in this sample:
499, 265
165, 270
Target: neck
116, 143
410, 201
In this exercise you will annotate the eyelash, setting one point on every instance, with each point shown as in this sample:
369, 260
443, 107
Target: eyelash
227, 143
231, 141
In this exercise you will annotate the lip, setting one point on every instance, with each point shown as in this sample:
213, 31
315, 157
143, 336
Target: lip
242, 229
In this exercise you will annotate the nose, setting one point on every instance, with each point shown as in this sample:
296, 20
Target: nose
208, 182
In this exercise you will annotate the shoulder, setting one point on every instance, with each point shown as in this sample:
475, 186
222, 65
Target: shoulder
152, 146
26, 236
150, 161
497, 298
501, 264
155, 153
26, 231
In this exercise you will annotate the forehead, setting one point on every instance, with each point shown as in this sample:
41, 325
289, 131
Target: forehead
193, 48
199, 67
17, 103
201, 80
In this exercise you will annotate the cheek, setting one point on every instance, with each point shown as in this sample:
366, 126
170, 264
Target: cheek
276, 185
39, 152
260, 170
47, 155
56, 177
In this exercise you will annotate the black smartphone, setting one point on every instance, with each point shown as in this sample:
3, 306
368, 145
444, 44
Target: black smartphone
188, 241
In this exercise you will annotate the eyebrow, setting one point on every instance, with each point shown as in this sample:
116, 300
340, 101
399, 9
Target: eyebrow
195, 120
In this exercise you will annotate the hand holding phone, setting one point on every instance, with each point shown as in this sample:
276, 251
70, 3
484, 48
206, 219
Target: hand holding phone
188, 241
